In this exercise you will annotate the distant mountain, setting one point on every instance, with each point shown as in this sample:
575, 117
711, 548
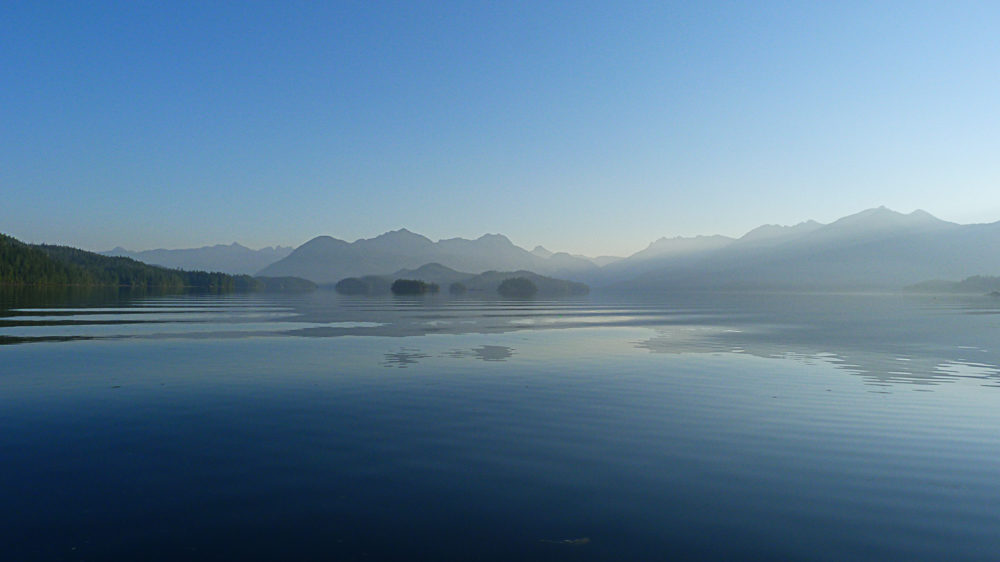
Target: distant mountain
541, 252
599, 261
678, 252
772, 233
476, 284
233, 259
328, 260
602, 261
680, 246
433, 273
874, 249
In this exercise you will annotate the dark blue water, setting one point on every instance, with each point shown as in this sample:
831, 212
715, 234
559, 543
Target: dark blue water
318, 427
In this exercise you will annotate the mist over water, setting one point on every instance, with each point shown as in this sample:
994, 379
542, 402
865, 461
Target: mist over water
781, 426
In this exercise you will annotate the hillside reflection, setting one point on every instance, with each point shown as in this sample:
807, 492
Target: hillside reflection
878, 365
886, 339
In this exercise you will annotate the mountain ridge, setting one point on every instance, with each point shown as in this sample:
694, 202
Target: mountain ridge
234, 259
328, 260
873, 248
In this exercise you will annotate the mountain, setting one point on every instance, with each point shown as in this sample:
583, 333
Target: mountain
327, 260
433, 273
680, 246
678, 253
874, 249
772, 233
233, 259
602, 261
541, 252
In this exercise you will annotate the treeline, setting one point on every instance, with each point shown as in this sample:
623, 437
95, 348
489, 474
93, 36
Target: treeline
969, 285
413, 287
508, 284
21, 264
47, 265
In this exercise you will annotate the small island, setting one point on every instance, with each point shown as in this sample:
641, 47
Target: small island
367, 285
430, 277
413, 287
517, 287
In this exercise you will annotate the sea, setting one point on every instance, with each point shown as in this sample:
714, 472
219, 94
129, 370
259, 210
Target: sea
675, 426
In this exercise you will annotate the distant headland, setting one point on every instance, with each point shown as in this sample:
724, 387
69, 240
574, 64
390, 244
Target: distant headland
43, 265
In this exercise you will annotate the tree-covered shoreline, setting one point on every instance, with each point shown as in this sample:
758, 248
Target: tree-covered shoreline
40, 265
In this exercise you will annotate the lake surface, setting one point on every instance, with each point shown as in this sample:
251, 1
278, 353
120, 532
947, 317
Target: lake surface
322, 427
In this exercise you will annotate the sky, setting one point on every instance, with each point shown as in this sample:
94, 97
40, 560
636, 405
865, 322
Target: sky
589, 127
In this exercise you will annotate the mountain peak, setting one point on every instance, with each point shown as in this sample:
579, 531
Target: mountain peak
884, 217
401, 234
681, 245
432, 268
321, 239
495, 238
776, 232
700, 238
319, 243
922, 214
541, 251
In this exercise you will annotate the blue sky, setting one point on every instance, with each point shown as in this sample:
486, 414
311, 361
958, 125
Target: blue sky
592, 127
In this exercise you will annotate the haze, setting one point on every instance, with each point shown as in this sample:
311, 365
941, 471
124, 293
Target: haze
590, 128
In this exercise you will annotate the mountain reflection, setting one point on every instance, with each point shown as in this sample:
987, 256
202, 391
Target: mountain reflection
879, 365
886, 339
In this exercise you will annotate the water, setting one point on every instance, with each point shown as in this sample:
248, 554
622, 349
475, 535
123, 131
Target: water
320, 427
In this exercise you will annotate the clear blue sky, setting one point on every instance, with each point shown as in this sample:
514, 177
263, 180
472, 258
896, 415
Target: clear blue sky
589, 127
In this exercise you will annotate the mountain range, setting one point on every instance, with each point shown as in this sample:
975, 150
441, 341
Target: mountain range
873, 249
233, 259
328, 260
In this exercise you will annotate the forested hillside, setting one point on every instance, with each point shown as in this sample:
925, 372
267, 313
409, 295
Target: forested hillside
42, 265
21, 264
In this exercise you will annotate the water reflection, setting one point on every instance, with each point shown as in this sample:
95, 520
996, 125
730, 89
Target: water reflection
878, 362
403, 358
317, 315
483, 353
406, 356
885, 339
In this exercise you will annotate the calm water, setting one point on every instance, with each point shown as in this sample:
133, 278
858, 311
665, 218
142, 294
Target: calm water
319, 427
